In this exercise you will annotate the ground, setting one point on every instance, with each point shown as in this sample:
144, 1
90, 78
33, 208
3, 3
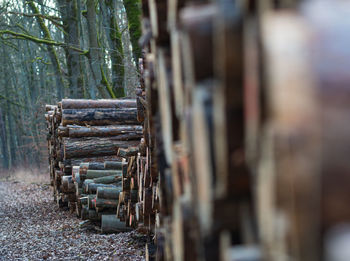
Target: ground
33, 228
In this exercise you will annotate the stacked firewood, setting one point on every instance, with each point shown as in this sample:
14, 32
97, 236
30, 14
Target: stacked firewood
244, 108
85, 140
242, 150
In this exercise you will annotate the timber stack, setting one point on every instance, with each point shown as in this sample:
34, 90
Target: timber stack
237, 145
244, 111
85, 138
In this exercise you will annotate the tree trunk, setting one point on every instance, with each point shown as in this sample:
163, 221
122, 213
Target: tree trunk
95, 56
133, 13
116, 46
52, 52
3, 136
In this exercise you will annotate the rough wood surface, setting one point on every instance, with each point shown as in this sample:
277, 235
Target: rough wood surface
90, 147
111, 224
102, 103
99, 117
108, 193
124, 132
92, 174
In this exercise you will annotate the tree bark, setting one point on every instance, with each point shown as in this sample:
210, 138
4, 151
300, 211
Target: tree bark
133, 13
101, 103
116, 45
108, 193
106, 203
92, 187
52, 52
92, 174
122, 132
95, 56
99, 116
112, 179
111, 224
118, 165
90, 147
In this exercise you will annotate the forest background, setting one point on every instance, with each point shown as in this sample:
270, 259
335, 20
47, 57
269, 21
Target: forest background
54, 49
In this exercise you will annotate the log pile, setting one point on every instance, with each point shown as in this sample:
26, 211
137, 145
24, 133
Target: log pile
85, 139
236, 145
245, 130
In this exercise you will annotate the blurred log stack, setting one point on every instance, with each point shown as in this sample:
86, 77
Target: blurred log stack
244, 112
236, 145
85, 138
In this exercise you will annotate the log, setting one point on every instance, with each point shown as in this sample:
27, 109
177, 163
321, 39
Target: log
117, 165
90, 165
128, 152
84, 212
93, 215
99, 117
92, 187
85, 184
106, 203
91, 204
123, 132
108, 193
93, 147
92, 174
49, 107
111, 224
67, 185
84, 200
102, 103
78, 161
108, 179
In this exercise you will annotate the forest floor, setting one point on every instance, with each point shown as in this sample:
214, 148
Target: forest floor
33, 228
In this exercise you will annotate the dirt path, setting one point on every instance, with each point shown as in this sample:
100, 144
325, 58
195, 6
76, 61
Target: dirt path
32, 228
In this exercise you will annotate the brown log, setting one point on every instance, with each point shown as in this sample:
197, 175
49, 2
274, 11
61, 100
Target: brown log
124, 132
93, 215
108, 193
117, 165
78, 161
111, 224
84, 212
105, 203
92, 187
85, 184
89, 147
99, 117
67, 185
92, 174
49, 107
128, 152
114, 179
102, 103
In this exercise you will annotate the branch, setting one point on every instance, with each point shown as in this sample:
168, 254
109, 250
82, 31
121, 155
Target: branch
32, 38
54, 19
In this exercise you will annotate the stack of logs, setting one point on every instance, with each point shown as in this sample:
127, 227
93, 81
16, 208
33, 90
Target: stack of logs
88, 141
242, 153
